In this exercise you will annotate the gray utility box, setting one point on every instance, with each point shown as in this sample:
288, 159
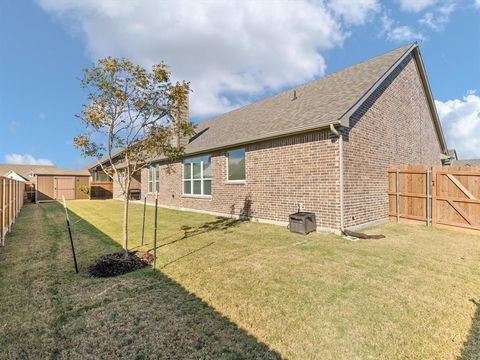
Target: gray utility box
302, 222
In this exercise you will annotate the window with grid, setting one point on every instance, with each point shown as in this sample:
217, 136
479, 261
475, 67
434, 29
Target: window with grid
197, 176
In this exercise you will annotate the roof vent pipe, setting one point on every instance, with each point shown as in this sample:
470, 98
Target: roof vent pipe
294, 95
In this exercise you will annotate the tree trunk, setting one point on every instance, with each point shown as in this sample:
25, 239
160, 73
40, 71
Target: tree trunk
125, 224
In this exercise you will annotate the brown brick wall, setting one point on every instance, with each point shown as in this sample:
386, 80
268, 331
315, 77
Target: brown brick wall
394, 126
280, 174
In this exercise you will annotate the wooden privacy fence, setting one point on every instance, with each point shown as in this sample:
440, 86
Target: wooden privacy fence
11, 201
446, 196
101, 190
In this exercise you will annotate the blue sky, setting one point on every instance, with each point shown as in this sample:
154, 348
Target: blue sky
232, 52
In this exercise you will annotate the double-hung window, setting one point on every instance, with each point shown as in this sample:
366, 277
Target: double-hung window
150, 178
236, 165
157, 177
197, 176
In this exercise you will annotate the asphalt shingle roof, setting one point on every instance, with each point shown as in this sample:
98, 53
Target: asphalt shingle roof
318, 103
471, 162
25, 170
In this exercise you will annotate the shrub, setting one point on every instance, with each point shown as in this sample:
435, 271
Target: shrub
85, 189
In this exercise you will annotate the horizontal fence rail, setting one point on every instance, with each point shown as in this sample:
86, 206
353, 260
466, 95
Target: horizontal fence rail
447, 196
11, 201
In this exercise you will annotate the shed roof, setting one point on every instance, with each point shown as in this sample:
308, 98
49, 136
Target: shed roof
25, 170
64, 172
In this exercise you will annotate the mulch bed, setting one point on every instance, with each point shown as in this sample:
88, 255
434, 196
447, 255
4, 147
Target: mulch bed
118, 264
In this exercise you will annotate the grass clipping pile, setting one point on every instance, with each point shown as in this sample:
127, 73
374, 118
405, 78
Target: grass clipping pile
119, 264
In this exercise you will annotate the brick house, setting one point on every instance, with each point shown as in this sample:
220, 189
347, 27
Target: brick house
324, 146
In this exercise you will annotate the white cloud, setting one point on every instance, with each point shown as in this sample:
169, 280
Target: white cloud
461, 122
429, 20
416, 5
354, 12
398, 33
404, 33
477, 3
439, 18
229, 50
26, 159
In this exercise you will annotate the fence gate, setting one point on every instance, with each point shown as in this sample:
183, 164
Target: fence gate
445, 196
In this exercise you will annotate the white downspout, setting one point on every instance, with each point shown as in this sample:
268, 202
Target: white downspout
340, 170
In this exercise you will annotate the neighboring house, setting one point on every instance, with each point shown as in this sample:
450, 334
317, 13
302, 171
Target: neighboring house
323, 147
13, 175
99, 180
471, 162
450, 157
48, 183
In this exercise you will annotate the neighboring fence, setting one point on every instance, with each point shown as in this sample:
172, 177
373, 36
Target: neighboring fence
101, 190
439, 195
11, 201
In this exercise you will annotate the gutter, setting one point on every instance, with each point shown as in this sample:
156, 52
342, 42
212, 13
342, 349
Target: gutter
338, 133
271, 136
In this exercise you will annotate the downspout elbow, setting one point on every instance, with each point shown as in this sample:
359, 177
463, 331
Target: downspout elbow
334, 130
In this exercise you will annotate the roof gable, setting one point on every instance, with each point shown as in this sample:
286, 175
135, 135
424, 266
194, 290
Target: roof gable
13, 175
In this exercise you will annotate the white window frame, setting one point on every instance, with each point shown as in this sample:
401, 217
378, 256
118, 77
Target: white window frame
228, 181
150, 179
201, 179
157, 177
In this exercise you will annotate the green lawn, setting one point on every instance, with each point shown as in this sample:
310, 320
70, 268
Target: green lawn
230, 289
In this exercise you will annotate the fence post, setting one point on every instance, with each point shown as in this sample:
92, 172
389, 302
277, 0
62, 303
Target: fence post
2, 210
70, 234
427, 175
433, 184
9, 205
155, 234
397, 179
14, 201
143, 222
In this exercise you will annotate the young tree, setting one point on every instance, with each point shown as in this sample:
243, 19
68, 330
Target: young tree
132, 116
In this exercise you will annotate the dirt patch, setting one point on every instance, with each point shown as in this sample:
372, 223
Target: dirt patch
118, 264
